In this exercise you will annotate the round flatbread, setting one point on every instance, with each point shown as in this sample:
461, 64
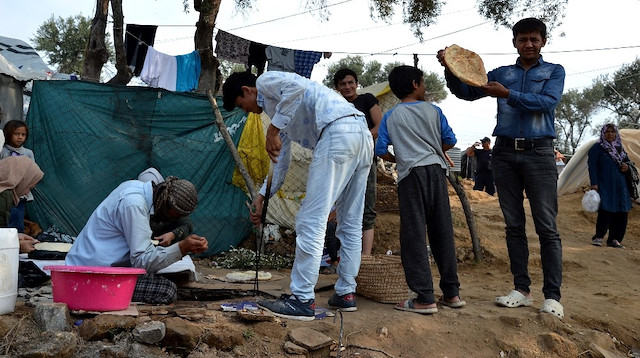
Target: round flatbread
248, 276
466, 65
53, 246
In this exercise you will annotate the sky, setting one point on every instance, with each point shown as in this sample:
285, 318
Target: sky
594, 39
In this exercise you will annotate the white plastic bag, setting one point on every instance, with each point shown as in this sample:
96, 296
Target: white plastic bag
591, 201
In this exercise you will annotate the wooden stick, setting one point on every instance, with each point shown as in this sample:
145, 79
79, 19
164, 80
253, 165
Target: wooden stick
232, 148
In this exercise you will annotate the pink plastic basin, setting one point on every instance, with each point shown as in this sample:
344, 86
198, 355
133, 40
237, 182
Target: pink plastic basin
94, 288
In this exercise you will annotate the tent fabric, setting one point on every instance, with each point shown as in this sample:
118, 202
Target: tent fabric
89, 137
575, 174
21, 61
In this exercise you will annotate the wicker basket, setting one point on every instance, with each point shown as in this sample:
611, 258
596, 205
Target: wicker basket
381, 278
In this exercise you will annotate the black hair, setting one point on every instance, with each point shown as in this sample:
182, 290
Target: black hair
342, 73
530, 24
401, 80
11, 127
232, 88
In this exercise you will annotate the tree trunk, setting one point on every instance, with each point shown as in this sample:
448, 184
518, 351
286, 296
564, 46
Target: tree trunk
471, 221
210, 76
124, 74
96, 54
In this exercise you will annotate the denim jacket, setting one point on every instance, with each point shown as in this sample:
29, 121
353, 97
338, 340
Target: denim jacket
534, 94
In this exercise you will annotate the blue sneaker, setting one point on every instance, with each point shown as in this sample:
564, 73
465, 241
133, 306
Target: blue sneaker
346, 303
289, 306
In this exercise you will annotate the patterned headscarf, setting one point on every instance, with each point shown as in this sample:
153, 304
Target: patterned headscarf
614, 148
179, 194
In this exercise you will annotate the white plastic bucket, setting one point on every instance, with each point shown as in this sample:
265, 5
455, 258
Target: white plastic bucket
9, 251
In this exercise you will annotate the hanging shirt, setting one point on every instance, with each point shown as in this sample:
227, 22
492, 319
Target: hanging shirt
137, 40
304, 62
159, 70
188, 72
257, 56
280, 59
232, 48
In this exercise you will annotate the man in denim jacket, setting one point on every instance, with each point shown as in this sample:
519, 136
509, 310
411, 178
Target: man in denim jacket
523, 159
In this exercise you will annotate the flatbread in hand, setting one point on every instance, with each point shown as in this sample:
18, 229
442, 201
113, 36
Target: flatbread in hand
466, 65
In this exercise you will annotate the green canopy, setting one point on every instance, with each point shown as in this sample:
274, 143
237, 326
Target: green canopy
90, 137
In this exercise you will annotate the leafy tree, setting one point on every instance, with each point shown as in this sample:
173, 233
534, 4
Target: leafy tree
64, 42
621, 95
574, 115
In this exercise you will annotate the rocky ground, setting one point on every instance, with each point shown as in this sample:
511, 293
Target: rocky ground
600, 296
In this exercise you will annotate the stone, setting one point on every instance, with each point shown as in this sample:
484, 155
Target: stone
292, 348
223, 336
512, 321
52, 317
309, 338
52, 345
181, 333
150, 332
104, 326
557, 346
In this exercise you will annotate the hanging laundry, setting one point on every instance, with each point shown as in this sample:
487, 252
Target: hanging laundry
159, 70
232, 48
188, 71
137, 39
305, 60
257, 57
280, 59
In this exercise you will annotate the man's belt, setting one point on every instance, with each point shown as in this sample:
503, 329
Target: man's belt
523, 143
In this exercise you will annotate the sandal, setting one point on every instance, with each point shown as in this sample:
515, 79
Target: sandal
409, 306
328, 270
552, 306
514, 299
457, 304
616, 244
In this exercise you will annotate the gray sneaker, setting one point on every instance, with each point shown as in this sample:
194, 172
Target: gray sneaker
596, 241
289, 306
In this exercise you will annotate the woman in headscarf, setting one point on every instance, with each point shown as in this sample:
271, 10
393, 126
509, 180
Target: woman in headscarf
18, 175
608, 162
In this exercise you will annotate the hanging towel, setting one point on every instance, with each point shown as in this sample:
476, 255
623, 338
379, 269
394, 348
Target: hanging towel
188, 72
304, 61
159, 70
257, 56
280, 59
232, 48
136, 41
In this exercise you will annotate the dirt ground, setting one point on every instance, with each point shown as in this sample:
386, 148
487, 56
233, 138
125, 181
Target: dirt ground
600, 296
600, 293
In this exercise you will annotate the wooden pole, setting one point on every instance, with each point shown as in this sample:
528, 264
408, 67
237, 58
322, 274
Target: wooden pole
232, 148
471, 221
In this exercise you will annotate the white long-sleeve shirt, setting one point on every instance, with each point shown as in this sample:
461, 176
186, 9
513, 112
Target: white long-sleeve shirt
118, 232
300, 108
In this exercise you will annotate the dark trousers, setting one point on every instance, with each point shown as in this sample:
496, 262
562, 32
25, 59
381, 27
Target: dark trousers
424, 209
484, 181
331, 241
532, 171
615, 223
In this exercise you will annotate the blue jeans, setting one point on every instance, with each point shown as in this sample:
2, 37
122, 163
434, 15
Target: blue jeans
532, 171
337, 174
17, 216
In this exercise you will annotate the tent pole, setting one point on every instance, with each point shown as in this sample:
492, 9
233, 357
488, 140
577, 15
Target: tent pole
232, 148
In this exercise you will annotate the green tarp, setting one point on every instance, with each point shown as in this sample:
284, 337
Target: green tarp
90, 137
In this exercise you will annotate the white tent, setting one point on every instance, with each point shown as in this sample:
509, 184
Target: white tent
576, 174
19, 63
